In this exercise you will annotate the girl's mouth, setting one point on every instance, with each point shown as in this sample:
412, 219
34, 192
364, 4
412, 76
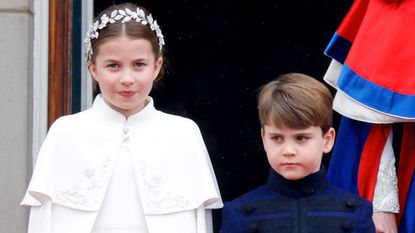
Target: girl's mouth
126, 93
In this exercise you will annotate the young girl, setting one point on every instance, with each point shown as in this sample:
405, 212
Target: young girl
123, 166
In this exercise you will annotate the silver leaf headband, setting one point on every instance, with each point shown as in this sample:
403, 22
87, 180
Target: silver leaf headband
126, 16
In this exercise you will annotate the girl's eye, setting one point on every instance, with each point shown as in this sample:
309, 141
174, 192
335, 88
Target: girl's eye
112, 65
140, 64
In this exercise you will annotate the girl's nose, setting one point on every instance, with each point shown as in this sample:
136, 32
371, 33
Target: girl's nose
127, 78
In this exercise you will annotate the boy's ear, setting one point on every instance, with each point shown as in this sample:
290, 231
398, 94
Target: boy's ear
263, 136
328, 140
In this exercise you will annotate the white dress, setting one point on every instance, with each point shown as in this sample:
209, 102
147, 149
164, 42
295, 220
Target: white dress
121, 211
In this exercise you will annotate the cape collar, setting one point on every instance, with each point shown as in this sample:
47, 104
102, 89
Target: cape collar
108, 113
306, 186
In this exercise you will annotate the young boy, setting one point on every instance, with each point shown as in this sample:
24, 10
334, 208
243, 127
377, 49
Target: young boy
295, 112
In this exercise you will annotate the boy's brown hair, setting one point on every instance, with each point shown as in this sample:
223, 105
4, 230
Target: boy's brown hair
296, 101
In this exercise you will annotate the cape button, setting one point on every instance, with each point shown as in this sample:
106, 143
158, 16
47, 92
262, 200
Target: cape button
253, 228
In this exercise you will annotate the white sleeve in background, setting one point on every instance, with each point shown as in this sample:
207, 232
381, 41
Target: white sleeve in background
39, 220
386, 190
204, 220
209, 221
52, 218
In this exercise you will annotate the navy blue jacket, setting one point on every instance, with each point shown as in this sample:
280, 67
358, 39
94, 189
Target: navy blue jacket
308, 205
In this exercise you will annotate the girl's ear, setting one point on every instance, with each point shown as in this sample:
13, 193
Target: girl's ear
328, 140
92, 70
158, 65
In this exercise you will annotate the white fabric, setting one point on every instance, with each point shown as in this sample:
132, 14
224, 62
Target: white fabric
171, 166
49, 218
333, 72
352, 109
67, 220
121, 211
386, 191
52, 218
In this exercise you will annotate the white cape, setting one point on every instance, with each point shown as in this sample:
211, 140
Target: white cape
171, 165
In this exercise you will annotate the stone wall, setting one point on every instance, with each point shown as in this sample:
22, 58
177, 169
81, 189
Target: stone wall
15, 73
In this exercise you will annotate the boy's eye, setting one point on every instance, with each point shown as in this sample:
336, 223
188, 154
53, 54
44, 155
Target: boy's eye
301, 138
276, 138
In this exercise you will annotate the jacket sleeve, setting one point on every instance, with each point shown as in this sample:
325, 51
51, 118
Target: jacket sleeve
232, 220
366, 224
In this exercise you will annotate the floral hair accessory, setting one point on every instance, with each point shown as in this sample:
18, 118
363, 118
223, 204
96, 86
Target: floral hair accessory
126, 16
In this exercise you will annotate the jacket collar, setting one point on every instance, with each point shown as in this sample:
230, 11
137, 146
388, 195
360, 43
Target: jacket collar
306, 186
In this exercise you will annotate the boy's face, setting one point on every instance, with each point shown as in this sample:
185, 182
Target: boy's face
296, 153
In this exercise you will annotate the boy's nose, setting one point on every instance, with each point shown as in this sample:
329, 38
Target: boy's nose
288, 150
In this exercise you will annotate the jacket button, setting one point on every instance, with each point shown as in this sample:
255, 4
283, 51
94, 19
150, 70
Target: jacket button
351, 203
248, 209
347, 226
253, 228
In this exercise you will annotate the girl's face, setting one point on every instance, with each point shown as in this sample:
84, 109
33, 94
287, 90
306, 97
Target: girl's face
296, 153
125, 69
